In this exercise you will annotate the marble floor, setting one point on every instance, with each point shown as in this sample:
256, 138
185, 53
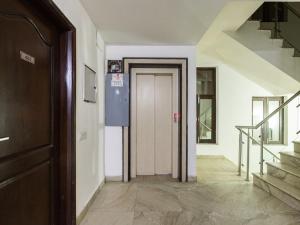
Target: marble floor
219, 197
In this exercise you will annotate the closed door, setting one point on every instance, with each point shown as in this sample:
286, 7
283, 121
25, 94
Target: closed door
27, 120
154, 124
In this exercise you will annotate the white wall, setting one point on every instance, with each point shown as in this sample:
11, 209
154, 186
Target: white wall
113, 142
113, 151
234, 107
89, 117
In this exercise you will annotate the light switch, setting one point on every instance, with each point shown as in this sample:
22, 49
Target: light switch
83, 136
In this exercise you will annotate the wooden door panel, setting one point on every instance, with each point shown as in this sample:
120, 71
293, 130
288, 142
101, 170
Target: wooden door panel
38, 114
16, 165
27, 181
36, 92
25, 89
9, 95
25, 199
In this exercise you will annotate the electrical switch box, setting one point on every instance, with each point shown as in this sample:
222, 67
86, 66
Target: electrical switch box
117, 100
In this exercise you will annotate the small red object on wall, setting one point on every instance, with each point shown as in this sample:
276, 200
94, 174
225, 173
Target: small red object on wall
176, 117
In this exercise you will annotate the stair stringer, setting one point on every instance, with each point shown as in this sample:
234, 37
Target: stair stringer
251, 65
272, 50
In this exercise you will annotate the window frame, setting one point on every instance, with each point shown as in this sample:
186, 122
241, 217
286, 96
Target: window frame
212, 97
266, 101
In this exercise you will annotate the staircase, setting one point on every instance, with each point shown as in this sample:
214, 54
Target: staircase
283, 179
259, 37
269, 26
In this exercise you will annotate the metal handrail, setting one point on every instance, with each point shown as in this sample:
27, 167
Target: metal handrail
278, 31
261, 143
206, 126
271, 114
292, 9
257, 142
278, 34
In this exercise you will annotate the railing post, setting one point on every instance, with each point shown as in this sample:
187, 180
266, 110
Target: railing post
276, 32
240, 152
248, 155
262, 150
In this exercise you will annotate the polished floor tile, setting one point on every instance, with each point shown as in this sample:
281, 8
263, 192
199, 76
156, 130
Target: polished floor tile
116, 197
108, 218
220, 197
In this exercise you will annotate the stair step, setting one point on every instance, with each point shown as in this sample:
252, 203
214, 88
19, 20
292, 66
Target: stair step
267, 25
279, 189
285, 44
278, 42
267, 33
296, 146
290, 158
254, 24
286, 173
296, 53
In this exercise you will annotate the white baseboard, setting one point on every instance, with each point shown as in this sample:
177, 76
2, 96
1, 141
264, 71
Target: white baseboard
113, 178
192, 179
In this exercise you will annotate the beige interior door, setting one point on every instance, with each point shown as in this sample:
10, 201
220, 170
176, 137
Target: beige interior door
163, 124
154, 124
145, 122
154, 137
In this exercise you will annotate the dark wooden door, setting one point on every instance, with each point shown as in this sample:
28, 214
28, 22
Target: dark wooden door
27, 118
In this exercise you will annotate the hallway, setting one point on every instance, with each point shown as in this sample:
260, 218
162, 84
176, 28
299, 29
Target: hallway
219, 198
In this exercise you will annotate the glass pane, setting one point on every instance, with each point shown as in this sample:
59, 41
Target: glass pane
205, 84
205, 124
257, 116
274, 122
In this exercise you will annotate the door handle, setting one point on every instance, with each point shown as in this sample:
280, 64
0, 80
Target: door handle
4, 139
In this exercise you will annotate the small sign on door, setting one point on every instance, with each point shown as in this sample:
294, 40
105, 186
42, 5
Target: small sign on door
117, 80
26, 57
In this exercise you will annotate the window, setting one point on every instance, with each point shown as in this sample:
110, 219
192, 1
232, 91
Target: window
206, 105
273, 129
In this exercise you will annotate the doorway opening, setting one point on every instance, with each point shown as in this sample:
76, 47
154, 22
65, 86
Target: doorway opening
154, 122
156, 141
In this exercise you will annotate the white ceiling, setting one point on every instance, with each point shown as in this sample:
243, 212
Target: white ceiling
153, 22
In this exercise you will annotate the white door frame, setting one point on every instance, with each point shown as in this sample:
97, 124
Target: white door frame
133, 129
182, 65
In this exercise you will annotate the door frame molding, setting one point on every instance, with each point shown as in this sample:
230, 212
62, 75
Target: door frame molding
182, 65
65, 87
